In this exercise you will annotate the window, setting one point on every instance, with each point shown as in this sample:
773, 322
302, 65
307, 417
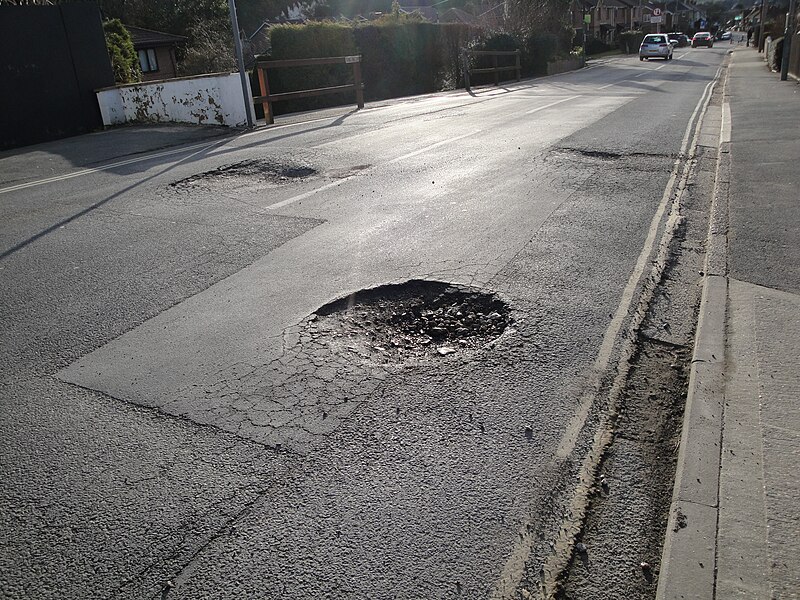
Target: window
148, 61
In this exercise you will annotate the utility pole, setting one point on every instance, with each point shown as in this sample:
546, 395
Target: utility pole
787, 39
237, 43
763, 17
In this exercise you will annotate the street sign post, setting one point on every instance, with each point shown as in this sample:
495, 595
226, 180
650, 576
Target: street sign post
656, 19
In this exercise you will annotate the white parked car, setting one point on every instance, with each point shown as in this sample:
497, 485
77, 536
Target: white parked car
655, 45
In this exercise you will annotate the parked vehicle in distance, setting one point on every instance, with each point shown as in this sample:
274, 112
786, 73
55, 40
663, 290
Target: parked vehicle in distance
681, 40
655, 45
725, 36
702, 38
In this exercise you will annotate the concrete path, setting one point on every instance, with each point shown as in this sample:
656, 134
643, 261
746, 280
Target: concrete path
733, 526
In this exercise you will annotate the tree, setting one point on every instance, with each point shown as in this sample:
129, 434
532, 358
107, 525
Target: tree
524, 17
124, 61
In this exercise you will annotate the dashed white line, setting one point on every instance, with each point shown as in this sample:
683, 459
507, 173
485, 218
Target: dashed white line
339, 182
432, 146
533, 110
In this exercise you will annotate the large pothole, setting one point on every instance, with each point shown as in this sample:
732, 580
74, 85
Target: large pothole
415, 319
267, 170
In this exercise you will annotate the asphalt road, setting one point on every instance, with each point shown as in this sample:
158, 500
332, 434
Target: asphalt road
169, 414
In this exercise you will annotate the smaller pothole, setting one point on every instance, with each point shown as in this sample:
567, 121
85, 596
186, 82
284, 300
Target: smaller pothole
601, 154
273, 171
415, 319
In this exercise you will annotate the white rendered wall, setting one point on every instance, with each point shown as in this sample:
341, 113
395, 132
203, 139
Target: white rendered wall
205, 100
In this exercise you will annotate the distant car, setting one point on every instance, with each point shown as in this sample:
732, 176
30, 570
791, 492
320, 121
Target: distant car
655, 45
703, 38
680, 40
725, 36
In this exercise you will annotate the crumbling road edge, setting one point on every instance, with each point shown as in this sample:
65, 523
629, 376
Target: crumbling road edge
688, 562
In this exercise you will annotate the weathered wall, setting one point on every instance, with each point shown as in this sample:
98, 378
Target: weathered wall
206, 100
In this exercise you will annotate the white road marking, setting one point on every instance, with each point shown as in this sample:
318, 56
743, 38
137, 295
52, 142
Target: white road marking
514, 569
339, 182
608, 85
604, 354
530, 112
308, 194
146, 157
432, 146
114, 165
725, 136
344, 139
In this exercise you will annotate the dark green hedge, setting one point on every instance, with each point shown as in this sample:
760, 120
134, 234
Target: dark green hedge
410, 58
537, 49
629, 41
399, 58
314, 40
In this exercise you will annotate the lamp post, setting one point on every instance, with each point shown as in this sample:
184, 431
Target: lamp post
761, 35
787, 39
237, 43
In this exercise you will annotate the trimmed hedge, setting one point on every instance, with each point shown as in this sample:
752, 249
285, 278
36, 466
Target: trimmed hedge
314, 40
629, 41
399, 58
595, 46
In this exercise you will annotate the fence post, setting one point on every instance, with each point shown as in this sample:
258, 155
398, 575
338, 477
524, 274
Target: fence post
357, 81
263, 86
494, 66
465, 59
519, 66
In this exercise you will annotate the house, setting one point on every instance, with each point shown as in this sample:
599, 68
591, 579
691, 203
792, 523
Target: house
457, 15
423, 8
603, 19
156, 51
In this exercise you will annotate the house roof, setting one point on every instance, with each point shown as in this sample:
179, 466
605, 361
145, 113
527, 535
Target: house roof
427, 12
147, 38
457, 15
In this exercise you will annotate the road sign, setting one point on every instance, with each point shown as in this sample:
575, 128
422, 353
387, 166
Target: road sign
656, 12
657, 19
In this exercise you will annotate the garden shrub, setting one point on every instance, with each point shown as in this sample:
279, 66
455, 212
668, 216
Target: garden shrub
124, 60
538, 50
629, 41
595, 46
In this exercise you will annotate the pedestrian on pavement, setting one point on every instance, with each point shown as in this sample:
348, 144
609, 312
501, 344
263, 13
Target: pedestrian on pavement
749, 35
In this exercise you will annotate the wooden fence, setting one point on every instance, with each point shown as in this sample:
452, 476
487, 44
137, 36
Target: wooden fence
266, 99
517, 66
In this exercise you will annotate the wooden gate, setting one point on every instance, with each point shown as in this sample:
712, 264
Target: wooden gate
266, 99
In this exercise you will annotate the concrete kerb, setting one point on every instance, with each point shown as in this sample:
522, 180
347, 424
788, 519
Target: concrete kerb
688, 561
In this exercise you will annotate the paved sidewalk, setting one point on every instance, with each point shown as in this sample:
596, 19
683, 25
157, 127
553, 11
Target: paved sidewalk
733, 529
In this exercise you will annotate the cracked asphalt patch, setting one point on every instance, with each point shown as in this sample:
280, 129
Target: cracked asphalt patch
336, 358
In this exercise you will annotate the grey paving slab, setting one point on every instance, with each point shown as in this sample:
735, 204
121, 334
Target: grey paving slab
777, 328
765, 180
743, 562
